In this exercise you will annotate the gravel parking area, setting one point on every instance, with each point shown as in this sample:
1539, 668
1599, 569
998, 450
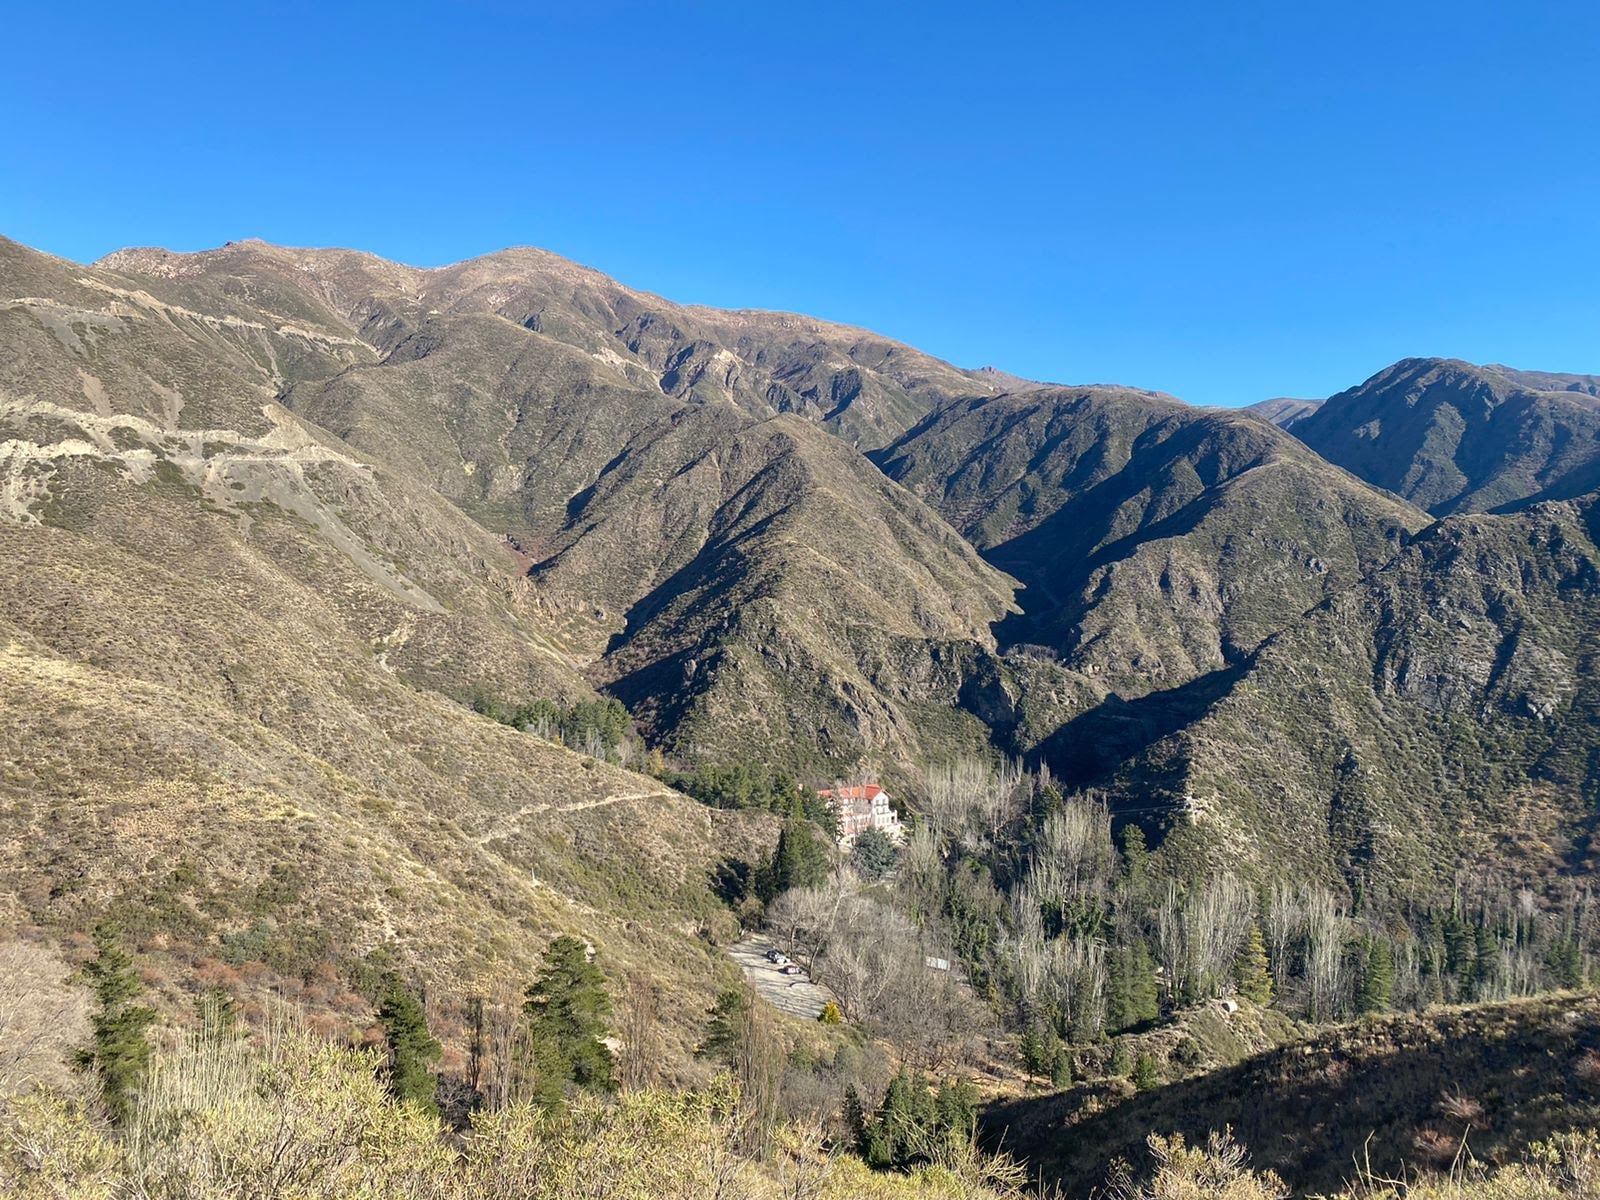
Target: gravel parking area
792, 994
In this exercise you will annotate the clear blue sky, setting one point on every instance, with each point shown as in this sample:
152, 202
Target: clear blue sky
1227, 201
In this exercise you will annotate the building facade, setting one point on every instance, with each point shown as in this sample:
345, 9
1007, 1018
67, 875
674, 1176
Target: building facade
862, 807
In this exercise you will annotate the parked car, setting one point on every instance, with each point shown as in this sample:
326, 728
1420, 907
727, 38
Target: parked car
773, 956
789, 969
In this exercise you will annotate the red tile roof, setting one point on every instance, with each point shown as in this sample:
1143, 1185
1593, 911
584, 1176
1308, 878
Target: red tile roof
866, 791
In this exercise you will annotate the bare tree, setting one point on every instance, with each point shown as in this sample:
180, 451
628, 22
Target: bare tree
969, 801
1074, 857
1198, 935
41, 1017
758, 1058
1326, 932
640, 1030
1284, 924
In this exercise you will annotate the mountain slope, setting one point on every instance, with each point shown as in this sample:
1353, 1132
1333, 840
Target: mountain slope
1283, 411
1453, 437
1442, 716
1390, 1093
1155, 542
229, 663
856, 383
738, 574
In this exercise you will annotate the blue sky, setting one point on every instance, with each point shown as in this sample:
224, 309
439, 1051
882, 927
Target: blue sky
1227, 201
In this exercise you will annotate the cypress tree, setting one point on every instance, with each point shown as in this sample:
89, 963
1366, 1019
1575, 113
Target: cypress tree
799, 860
1377, 977
1251, 970
412, 1048
566, 1010
722, 1029
1131, 997
120, 1054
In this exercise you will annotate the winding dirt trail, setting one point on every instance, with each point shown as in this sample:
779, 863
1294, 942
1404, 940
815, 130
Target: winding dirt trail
507, 826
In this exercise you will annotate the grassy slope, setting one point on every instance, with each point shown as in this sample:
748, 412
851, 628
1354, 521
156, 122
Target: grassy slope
227, 654
1401, 1090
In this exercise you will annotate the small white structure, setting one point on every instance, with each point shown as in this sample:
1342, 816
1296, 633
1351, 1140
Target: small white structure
862, 807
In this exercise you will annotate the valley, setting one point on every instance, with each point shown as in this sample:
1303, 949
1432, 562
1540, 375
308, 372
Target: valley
383, 645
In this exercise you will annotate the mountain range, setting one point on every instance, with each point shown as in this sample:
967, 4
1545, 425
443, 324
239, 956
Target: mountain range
276, 517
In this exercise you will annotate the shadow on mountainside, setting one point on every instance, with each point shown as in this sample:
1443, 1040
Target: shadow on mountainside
1398, 1092
1095, 743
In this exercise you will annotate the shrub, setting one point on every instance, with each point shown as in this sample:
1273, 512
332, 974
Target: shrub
1146, 1074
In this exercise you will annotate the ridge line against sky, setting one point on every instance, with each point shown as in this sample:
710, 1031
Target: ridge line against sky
1229, 204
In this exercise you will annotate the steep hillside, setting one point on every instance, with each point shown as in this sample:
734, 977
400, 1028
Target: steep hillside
227, 662
1397, 1092
1452, 437
1440, 717
688, 526
1155, 542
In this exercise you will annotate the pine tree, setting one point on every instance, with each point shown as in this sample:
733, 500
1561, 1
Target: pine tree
566, 1010
1377, 977
1061, 1069
855, 1117
956, 1112
1046, 801
1485, 958
874, 853
1251, 970
1121, 1060
120, 1054
1135, 856
412, 1049
1037, 1049
1565, 960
